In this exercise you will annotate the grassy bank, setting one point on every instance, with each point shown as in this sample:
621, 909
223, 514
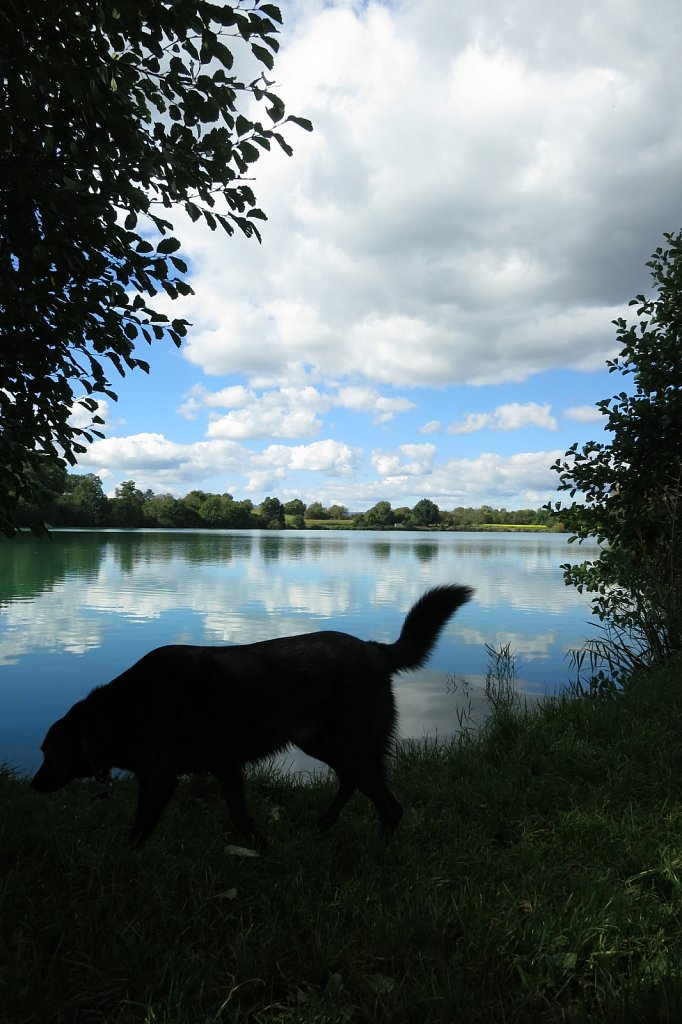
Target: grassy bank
537, 877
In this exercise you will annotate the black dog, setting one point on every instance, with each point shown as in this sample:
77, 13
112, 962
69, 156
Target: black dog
184, 709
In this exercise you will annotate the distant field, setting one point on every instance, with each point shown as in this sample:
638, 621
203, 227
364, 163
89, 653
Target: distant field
510, 526
330, 524
347, 524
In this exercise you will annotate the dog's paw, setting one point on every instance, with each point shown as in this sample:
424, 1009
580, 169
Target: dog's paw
326, 820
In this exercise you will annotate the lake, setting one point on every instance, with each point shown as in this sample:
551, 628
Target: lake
77, 609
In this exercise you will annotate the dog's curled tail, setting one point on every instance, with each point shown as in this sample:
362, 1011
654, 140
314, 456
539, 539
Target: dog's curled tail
423, 626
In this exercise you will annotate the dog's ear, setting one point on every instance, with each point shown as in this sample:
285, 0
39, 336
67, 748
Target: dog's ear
63, 758
74, 730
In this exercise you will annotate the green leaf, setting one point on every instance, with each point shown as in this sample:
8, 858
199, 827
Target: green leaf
270, 11
168, 245
193, 210
263, 55
224, 15
275, 113
158, 222
283, 144
302, 122
223, 54
191, 49
249, 152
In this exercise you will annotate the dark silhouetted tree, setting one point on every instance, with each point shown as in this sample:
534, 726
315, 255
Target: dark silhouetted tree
115, 115
627, 492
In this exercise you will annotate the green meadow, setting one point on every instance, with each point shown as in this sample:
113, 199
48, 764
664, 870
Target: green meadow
537, 876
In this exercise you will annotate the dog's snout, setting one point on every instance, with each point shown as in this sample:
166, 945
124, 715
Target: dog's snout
46, 780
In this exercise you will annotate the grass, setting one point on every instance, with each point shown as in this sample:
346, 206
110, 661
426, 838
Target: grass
537, 876
330, 524
511, 527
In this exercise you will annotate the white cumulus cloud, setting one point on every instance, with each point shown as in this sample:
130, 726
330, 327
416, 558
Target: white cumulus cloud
462, 211
584, 414
409, 460
513, 416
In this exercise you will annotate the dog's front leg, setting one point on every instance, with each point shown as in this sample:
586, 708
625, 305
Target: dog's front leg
155, 788
232, 784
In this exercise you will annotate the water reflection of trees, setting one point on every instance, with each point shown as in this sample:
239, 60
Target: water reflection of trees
270, 548
511, 545
381, 551
426, 552
423, 551
128, 550
82, 552
30, 565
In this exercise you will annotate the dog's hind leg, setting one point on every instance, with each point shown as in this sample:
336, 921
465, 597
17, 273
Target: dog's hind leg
343, 795
370, 779
321, 747
232, 784
154, 791
373, 784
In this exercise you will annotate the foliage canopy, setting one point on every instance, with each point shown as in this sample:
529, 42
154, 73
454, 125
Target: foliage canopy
114, 117
631, 488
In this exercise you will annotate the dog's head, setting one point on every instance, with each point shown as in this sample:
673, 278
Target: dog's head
64, 754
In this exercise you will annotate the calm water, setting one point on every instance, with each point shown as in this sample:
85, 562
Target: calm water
78, 609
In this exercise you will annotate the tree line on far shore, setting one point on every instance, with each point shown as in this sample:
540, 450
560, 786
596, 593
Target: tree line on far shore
64, 499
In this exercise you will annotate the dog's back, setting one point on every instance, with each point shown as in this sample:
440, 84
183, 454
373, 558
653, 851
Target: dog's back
250, 700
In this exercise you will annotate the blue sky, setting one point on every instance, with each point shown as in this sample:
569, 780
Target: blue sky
430, 311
